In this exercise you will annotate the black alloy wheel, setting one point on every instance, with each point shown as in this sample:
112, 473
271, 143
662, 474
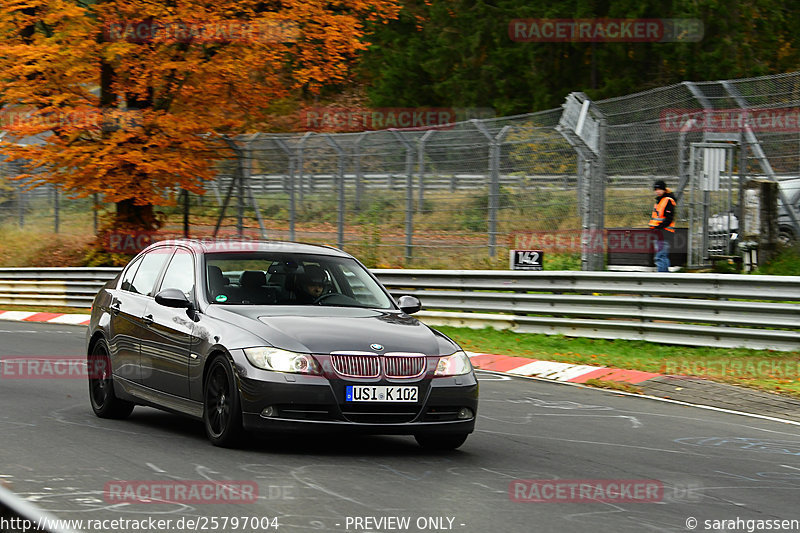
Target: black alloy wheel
105, 403
222, 414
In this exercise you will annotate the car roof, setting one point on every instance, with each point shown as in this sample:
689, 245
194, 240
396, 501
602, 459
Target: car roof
215, 246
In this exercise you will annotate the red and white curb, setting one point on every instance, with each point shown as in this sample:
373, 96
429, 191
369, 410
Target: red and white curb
523, 366
520, 366
52, 318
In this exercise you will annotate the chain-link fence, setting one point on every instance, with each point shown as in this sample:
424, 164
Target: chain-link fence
463, 194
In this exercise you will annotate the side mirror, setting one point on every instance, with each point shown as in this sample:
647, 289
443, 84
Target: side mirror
173, 298
409, 304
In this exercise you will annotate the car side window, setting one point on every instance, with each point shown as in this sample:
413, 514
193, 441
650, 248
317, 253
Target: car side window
180, 273
127, 278
146, 275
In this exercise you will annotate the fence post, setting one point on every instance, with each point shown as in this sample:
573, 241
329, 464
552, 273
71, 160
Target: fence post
409, 193
583, 125
358, 172
598, 207
56, 214
21, 206
494, 179
236, 183
241, 175
340, 180
692, 184
300, 162
185, 213
421, 168
246, 174
240, 186
292, 203
683, 164
282, 145
95, 208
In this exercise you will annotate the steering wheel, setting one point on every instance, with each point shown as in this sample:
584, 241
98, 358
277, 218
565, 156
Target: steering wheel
325, 297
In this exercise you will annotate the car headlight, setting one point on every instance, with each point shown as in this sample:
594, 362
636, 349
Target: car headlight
281, 360
453, 365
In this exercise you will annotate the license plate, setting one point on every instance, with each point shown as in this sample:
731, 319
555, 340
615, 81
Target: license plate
380, 393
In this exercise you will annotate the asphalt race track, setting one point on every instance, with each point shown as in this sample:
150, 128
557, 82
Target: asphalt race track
710, 465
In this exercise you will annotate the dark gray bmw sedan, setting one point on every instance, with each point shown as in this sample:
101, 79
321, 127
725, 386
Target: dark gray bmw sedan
273, 336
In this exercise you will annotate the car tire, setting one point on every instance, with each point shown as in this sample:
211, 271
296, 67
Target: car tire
222, 412
105, 403
441, 442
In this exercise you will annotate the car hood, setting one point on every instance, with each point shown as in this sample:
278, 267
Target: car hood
332, 329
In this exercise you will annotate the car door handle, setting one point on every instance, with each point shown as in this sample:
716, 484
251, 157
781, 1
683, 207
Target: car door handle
114, 307
148, 320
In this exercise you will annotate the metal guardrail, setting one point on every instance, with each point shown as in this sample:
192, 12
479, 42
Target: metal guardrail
694, 309
723, 310
65, 287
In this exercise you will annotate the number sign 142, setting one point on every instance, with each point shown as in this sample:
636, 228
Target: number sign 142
526, 259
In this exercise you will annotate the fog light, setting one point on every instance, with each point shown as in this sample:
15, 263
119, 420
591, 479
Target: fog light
269, 411
464, 413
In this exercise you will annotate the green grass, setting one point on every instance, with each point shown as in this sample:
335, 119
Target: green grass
785, 263
762, 369
614, 385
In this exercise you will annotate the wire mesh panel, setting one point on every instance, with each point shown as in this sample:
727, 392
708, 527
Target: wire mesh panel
459, 195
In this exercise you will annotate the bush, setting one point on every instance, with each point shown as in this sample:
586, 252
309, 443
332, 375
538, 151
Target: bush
785, 263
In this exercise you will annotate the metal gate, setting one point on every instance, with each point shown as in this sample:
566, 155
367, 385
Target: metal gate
713, 224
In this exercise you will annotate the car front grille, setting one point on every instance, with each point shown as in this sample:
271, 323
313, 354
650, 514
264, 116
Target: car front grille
356, 366
369, 366
380, 413
403, 366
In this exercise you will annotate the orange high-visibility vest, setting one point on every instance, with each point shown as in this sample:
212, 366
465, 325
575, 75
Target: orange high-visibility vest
658, 213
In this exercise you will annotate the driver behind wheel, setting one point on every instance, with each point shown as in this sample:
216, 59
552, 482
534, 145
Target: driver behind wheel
312, 284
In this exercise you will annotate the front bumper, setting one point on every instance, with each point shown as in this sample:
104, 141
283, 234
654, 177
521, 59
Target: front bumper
316, 403
253, 422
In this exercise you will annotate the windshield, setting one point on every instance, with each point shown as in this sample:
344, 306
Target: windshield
291, 279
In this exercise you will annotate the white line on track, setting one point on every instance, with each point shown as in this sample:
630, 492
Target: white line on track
648, 397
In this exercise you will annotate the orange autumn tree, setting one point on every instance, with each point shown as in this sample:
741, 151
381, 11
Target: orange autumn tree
126, 93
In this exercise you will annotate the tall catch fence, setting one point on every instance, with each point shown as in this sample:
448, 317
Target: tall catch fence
463, 194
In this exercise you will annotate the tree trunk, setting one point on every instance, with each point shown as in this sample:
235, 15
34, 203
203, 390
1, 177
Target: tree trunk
135, 217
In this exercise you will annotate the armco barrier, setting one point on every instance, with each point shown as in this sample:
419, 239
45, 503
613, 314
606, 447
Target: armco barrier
721, 310
724, 310
67, 287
